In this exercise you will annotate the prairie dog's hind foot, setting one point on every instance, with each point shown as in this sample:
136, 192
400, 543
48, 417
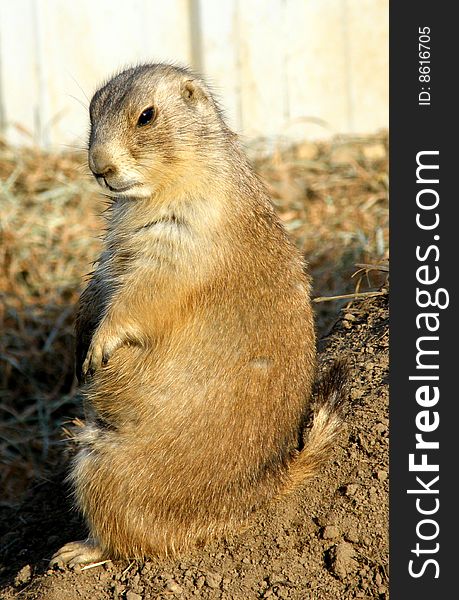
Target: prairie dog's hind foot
77, 553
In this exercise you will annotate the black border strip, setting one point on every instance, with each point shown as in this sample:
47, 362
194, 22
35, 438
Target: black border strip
416, 128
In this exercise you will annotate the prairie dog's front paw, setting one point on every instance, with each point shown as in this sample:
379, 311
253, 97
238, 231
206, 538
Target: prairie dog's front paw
101, 348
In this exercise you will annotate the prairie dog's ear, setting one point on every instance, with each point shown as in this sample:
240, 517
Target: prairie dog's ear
192, 91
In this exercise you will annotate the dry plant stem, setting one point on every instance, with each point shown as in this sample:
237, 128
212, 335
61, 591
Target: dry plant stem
374, 267
351, 296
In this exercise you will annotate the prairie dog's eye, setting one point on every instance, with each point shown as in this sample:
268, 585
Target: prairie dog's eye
146, 116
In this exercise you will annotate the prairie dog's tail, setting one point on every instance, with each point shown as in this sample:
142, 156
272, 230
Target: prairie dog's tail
328, 417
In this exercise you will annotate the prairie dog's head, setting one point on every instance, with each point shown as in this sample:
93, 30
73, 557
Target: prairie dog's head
151, 125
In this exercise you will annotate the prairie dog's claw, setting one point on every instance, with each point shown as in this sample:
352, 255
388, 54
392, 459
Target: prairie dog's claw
77, 553
94, 359
99, 354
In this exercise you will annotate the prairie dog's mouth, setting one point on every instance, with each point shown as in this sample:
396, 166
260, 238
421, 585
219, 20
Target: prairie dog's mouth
134, 190
102, 181
117, 190
120, 189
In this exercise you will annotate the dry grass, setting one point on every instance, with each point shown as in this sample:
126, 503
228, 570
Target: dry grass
332, 197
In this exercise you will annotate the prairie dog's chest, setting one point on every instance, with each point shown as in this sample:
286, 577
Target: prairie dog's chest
161, 254
178, 243
165, 243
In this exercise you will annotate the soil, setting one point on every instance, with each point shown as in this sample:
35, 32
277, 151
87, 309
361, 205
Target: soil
328, 540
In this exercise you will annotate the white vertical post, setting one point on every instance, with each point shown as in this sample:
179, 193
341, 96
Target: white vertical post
41, 117
194, 20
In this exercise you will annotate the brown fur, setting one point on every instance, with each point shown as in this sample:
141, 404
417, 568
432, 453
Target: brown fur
195, 333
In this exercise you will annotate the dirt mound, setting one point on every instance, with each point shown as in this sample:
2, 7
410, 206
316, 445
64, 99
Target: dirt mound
326, 541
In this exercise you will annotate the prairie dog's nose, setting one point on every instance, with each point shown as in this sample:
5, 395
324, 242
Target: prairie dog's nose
101, 161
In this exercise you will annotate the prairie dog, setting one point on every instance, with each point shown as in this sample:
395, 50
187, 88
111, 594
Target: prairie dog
195, 335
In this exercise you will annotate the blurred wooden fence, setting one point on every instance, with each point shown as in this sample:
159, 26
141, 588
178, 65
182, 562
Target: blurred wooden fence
290, 68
